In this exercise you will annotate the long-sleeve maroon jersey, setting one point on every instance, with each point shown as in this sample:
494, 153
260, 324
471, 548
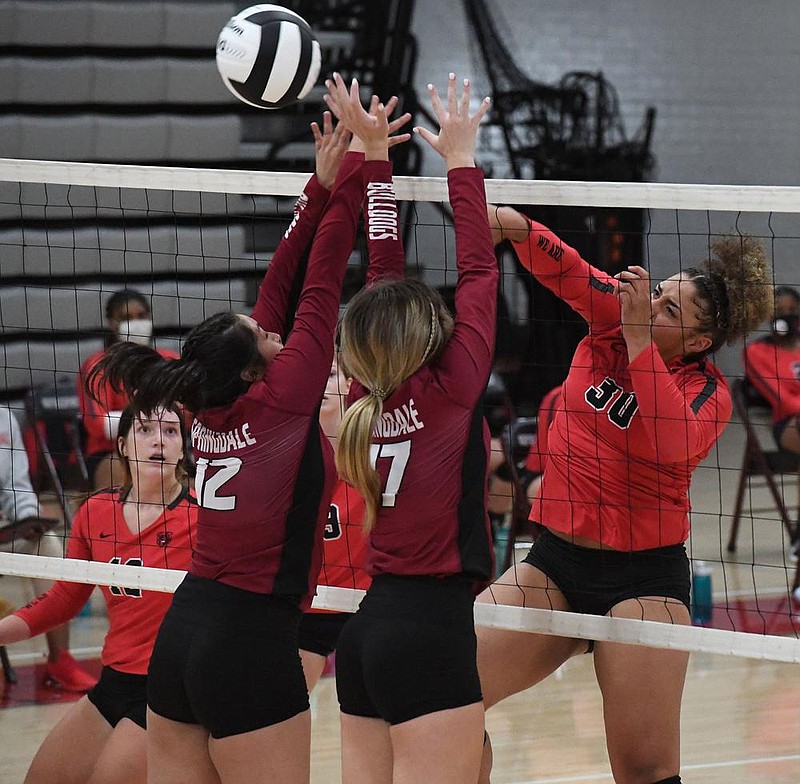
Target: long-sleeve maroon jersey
431, 444
775, 372
624, 443
265, 471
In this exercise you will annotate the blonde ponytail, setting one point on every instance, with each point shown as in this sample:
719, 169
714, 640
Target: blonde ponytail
353, 453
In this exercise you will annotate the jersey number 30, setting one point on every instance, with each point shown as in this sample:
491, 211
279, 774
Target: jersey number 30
208, 488
398, 454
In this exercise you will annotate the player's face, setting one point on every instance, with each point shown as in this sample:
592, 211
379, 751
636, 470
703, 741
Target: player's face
154, 446
676, 314
333, 401
786, 306
269, 344
132, 310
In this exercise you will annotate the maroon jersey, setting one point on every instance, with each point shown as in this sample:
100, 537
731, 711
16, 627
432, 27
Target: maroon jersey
628, 435
265, 471
775, 372
100, 533
431, 444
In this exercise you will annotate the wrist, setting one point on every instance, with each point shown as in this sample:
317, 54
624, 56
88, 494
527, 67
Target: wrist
460, 161
376, 153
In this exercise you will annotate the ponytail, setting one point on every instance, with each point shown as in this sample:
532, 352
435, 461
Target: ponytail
353, 459
149, 380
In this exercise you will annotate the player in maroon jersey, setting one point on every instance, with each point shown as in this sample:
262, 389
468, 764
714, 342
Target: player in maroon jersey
641, 407
772, 366
227, 698
149, 521
406, 673
345, 543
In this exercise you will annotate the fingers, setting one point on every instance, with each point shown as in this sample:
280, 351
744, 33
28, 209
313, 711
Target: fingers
464, 108
391, 105
482, 109
436, 103
452, 105
317, 134
327, 123
396, 125
399, 139
427, 135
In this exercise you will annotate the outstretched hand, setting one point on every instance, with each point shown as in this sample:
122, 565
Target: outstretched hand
356, 145
458, 129
330, 145
371, 128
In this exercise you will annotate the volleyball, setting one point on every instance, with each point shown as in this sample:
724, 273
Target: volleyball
268, 56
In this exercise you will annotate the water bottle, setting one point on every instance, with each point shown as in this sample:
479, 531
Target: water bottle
701, 593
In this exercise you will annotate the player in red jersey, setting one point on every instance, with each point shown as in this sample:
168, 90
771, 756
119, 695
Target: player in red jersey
406, 673
772, 366
227, 698
149, 521
344, 544
128, 318
641, 407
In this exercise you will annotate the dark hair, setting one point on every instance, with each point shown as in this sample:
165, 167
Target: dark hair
121, 298
788, 291
734, 288
209, 372
126, 421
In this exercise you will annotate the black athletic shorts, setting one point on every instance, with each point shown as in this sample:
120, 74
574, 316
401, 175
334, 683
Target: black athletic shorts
319, 632
410, 650
227, 659
120, 695
594, 581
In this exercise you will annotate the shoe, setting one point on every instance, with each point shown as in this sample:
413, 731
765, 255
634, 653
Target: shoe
65, 673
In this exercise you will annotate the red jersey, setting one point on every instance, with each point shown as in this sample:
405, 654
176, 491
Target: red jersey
94, 413
538, 448
623, 445
345, 543
775, 372
431, 444
100, 533
265, 471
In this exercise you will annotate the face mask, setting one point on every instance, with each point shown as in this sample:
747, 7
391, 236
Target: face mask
783, 326
135, 331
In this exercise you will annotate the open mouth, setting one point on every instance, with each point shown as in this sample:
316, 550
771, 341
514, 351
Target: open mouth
157, 458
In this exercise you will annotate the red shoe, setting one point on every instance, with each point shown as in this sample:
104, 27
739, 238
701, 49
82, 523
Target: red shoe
65, 673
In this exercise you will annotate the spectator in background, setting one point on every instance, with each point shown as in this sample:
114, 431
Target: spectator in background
772, 366
19, 502
128, 319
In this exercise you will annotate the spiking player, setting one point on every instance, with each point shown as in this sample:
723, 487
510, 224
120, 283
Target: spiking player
641, 407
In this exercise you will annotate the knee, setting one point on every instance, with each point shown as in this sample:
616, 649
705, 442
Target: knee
643, 772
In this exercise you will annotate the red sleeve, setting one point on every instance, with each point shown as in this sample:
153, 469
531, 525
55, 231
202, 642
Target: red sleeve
466, 362
589, 291
297, 376
387, 260
276, 287
761, 369
64, 600
680, 421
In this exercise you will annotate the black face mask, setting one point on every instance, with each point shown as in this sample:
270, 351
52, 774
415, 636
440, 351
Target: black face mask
786, 326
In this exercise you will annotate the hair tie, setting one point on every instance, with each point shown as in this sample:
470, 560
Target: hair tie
377, 393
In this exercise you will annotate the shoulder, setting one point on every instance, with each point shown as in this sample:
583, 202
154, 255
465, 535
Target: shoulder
91, 361
168, 353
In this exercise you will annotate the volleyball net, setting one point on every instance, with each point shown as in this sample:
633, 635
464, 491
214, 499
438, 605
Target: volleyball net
196, 242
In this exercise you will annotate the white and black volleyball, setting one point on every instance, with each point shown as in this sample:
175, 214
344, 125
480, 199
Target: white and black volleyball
268, 56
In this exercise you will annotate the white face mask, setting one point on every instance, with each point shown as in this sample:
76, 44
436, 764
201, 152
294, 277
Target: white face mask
135, 331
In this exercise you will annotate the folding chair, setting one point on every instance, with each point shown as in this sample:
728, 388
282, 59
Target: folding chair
54, 413
516, 438
761, 463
